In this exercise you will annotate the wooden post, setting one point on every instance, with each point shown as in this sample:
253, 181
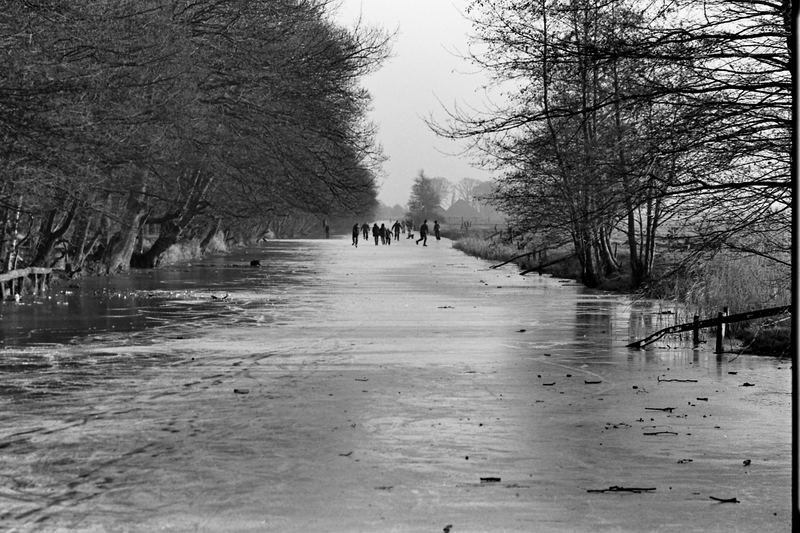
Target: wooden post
724, 326
696, 331
720, 332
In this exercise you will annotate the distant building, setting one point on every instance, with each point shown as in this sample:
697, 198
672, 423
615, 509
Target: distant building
462, 211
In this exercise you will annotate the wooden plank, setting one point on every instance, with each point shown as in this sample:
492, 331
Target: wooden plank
14, 280
520, 256
13, 274
23, 272
540, 266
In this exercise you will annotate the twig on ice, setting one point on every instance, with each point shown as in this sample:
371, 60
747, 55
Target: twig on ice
615, 488
724, 500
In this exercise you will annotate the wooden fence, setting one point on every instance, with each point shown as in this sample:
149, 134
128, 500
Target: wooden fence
719, 322
14, 282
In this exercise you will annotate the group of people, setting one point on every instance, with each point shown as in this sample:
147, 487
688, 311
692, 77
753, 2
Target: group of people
384, 235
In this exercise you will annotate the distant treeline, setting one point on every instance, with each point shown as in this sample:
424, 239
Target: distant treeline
641, 122
130, 125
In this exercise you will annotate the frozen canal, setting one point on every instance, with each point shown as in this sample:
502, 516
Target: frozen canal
383, 388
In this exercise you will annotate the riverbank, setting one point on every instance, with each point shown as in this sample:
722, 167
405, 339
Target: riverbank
769, 337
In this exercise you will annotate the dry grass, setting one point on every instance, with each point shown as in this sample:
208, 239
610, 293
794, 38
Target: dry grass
492, 250
740, 283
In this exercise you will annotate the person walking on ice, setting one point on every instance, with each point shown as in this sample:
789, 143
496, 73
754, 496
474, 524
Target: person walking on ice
376, 232
436, 230
396, 228
423, 233
356, 231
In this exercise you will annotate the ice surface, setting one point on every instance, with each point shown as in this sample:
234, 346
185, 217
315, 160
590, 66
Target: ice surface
375, 387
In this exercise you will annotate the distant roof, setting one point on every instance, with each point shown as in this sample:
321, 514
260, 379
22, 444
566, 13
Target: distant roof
461, 208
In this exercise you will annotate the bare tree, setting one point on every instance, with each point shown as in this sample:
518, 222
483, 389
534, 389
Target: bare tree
467, 189
182, 114
625, 116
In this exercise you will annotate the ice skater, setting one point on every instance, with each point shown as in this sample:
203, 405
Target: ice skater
423, 233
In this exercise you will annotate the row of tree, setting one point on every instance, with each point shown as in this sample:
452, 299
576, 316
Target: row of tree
639, 118
176, 119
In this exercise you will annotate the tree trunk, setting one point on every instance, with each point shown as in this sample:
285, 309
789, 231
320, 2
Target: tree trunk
117, 257
11, 253
610, 264
49, 237
167, 236
210, 235
636, 264
585, 253
81, 244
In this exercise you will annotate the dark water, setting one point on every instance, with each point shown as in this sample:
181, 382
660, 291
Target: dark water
151, 299
220, 397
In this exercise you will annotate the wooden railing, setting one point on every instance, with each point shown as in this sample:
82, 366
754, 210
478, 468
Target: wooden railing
718, 322
14, 281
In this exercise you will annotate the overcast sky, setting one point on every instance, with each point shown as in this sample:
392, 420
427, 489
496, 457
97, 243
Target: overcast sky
425, 68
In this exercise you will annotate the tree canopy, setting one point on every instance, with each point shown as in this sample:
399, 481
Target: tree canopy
181, 116
425, 202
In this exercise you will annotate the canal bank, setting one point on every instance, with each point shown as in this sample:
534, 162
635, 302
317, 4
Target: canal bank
385, 388
702, 287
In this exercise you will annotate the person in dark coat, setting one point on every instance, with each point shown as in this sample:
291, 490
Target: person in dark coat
356, 231
376, 232
365, 229
396, 228
423, 233
436, 230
